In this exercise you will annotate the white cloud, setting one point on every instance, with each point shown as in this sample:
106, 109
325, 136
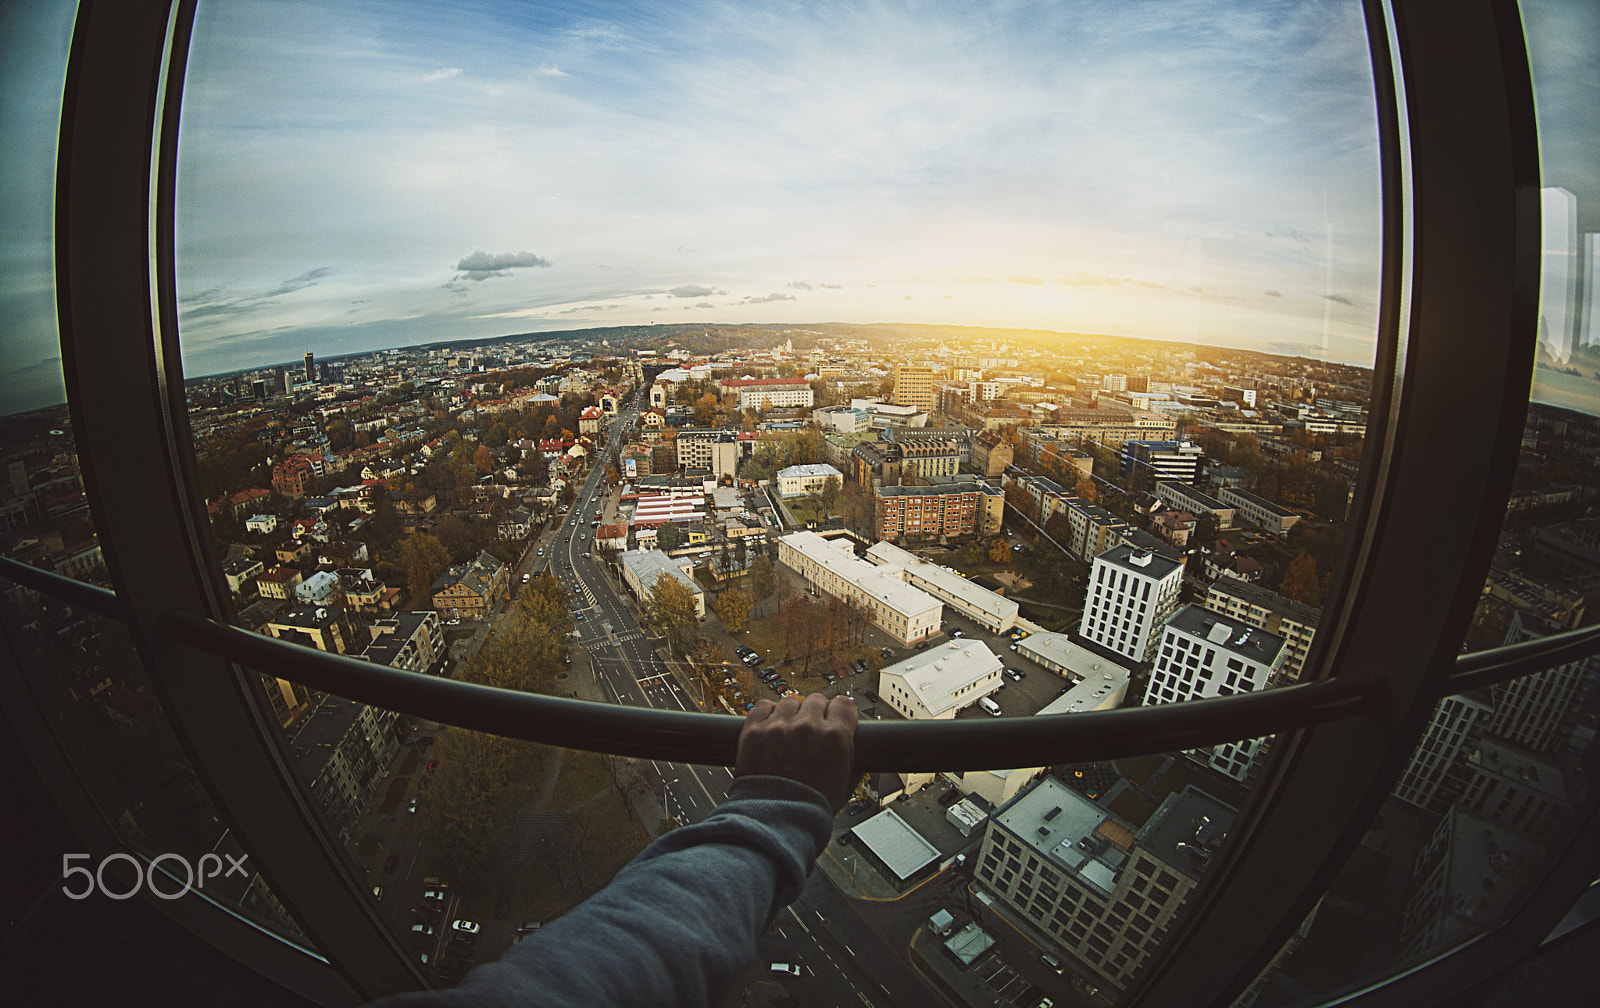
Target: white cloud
444, 74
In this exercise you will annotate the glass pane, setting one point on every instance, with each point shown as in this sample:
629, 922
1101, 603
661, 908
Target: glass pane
44, 516
82, 674
1494, 787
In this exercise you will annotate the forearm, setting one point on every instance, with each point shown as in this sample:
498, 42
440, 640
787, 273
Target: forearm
679, 923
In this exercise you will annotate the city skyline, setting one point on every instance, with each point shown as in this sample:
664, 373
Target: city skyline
359, 179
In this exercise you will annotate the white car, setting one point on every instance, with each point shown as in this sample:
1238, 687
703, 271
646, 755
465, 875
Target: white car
793, 969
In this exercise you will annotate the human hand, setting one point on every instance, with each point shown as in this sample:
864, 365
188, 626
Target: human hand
812, 741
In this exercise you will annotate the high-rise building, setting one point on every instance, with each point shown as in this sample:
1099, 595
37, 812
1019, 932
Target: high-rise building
311, 367
1132, 592
1558, 271
1162, 460
1589, 296
1529, 711
913, 385
1295, 622
1432, 778
1206, 654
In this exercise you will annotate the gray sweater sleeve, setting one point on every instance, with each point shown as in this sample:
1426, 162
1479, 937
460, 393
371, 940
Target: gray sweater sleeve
677, 925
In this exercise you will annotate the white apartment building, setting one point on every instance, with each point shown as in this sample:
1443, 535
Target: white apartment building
1456, 723
1258, 510
1187, 498
1206, 654
641, 568
756, 393
937, 684
903, 612
799, 480
990, 609
1132, 592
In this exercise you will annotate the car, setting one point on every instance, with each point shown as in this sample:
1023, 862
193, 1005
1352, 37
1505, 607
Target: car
870, 695
777, 685
422, 929
856, 808
1054, 964
464, 931
860, 665
412, 807
886, 652
1015, 674
580, 617
829, 678
791, 692
433, 763
793, 969
950, 797
957, 633
846, 839
392, 863
528, 927
1013, 647
586, 554
377, 892
1016, 549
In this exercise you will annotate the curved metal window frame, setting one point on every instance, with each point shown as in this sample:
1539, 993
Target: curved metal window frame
1461, 228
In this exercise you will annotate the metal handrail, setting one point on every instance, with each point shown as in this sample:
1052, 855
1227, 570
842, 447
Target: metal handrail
711, 739
1485, 668
92, 598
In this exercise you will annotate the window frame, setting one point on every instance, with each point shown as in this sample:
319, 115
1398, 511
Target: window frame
1455, 116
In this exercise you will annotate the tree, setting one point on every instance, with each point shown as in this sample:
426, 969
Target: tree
733, 609
670, 537
763, 579
999, 552
705, 410
483, 460
670, 611
829, 492
461, 815
424, 558
527, 649
1088, 491
1300, 580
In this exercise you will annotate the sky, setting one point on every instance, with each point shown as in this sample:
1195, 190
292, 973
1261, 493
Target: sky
355, 176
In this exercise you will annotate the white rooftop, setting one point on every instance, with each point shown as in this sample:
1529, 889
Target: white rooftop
975, 596
884, 584
936, 675
896, 844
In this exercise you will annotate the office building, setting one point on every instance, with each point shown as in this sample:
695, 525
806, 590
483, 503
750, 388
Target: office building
713, 448
1175, 461
951, 509
1132, 592
906, 613
991, 610
1558, 272
939, 683
767, 393
913, 386
1104, 888
310, 367
1206, 654
1253, 510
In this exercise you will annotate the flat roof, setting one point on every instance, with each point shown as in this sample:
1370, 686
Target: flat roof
896, 844
1228, 634
1129, 558
1064, 828
969, 592
839, 558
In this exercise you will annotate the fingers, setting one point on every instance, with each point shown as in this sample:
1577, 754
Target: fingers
760, 712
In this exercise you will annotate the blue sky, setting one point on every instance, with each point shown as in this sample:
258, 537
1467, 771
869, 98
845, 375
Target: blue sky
1182, 171
355, 176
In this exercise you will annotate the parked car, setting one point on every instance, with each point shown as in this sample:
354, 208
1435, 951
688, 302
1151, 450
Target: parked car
957, 633
793, 969
422, 929
464, 931
1015, 674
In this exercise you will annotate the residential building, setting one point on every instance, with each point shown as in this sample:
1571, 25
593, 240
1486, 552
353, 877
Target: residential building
469, 591
762, 393
1295, 622
913, 386
408, 640
874, 462
1206, 654
1103, 888
906, 613
1102, 426
1132, 593
291, 476
641, 569
991, 610
1174, 461
321, 627
1433, 777
278, 583
516, 525
1187, 498
321, 589
239, 572
991, 509
1515, 789
799, 480
1466, 875
942, 681
590, 419
265, 524
1530, 711
713, 448
344, 749
950, 509
991, 454
844, 419
1258, 511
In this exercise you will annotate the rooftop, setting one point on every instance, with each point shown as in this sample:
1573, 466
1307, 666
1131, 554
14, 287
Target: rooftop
1142, 562
1228, 634
935, 676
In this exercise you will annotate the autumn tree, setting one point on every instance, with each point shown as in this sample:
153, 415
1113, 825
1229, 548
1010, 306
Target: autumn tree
527, 649
763, 579
670, 537
829, 492
999, 552
423, 558
1300, 580
461, 811
1087, 490
733, 609
670, 611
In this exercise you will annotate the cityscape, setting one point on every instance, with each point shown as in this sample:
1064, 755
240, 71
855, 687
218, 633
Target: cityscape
937, 522
983, 362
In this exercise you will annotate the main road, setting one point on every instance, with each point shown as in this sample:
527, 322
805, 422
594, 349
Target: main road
843, 960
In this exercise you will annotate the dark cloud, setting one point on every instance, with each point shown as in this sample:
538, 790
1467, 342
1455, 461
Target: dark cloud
218, 301
770, 297
480, 265
693, 290
1343, 299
